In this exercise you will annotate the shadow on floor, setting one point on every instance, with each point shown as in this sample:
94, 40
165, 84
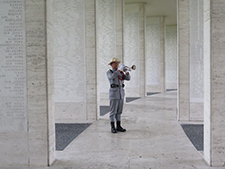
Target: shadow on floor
130, 99
104, 110
195, 134
169, 90
152, 93
67, 132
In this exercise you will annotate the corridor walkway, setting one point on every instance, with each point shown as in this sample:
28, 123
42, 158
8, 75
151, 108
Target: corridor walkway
154, 139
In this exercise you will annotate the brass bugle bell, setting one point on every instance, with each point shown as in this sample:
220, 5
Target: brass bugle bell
126, 68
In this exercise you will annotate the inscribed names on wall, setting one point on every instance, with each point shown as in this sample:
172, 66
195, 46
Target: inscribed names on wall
13, 102
196, 51
106, 40
131, 41
69, 50
153, 47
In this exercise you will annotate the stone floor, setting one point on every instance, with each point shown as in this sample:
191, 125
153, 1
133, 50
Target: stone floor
154, 140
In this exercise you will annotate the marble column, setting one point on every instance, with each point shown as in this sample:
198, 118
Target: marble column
74, 47
214, 82
26, 87
134, 47
119, 28
183, 51
90, 51
109, 34
196, 60
142, 31
155, 54
171, 56
106, 44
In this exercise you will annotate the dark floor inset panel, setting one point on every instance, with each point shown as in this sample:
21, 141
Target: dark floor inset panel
67, 132
168, 90
104, 110
152, 93
195, 133
130, 99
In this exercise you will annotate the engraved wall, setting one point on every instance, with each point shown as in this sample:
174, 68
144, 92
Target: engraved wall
26, 128
171, 57
196, 51
13, 102
69, 59
131, 46
69, 49
106, 41
155, 54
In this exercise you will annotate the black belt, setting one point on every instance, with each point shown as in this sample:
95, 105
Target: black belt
114, 85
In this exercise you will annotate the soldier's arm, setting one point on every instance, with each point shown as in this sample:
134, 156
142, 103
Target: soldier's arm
113, 75
127, 76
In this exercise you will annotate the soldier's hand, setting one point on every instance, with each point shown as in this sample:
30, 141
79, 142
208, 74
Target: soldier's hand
127, 73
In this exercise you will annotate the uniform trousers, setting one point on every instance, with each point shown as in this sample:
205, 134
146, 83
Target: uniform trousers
116, 109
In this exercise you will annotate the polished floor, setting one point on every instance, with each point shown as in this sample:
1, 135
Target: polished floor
154, 140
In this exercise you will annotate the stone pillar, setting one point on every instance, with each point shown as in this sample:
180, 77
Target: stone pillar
119, 28
214, 82
106, 30
196, 60
171, 56
26, 95
109, 29
134, 47
142, 30
90, 34
183, 96
155, 54
50, 80
74, 47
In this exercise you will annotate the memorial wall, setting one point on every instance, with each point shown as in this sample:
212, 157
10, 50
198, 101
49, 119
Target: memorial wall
155, 54
196, 51
13, 108
25, 123
171, 57
131, 47
13, 90
196, 59
106, 42
69, 59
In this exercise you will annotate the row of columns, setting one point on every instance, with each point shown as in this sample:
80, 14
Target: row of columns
191, 55
37, 137
66, 54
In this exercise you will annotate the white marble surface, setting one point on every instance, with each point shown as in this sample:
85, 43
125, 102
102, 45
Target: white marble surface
214, 81
106, 40
13, 93
154, 139
183, 102
50, 70
196, 51
91, 63
171, 56
134, 47
155, 54
131, 46
69, 58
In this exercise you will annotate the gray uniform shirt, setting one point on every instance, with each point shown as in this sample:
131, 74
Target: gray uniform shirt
114, 77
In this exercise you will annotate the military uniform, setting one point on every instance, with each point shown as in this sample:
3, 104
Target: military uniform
116, 93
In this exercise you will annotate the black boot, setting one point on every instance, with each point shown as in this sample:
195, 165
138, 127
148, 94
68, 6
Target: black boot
113, 130
119, 128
